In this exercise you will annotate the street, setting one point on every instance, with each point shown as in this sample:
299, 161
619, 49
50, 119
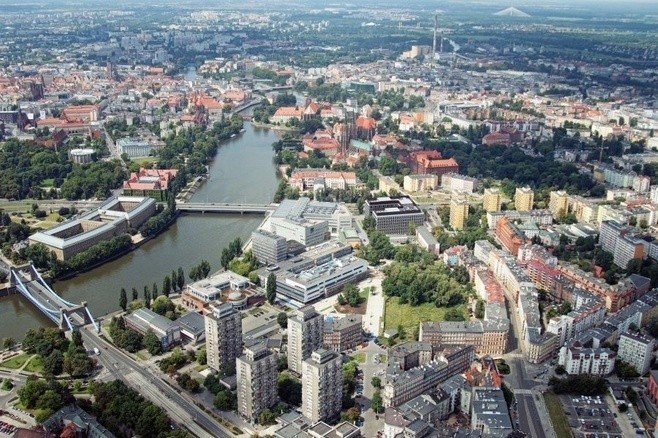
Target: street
146, 382
369, 367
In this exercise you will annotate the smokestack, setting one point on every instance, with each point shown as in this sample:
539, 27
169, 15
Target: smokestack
434, 39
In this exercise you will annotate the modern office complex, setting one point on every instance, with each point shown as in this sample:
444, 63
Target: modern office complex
222, 287
305, 335
308, 232
112, 218
336, 215
223, 337
257, 380
393, 215
319, 272
268, 248
322, 385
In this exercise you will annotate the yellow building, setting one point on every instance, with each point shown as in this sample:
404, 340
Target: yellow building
524, 198
386, 184
420, 182
558, 203
458, 213
492, 199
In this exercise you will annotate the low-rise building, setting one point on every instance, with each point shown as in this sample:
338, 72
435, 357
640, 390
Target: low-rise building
420, 183
152, 183
144, 320
459, 183
342, 334
426, 240
222, 287
490, 413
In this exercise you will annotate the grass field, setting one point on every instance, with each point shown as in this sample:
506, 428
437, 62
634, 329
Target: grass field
359, 357
144, 160
35, 365
16, 362
559, 420
409, 317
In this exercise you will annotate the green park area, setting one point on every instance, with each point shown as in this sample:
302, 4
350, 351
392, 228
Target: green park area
559, 420
409, 316
16, 362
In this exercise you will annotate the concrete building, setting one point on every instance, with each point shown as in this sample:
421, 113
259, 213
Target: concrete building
336, 215
319, 272
113, 218
459, 183
222, 287
257, 380
223, 337
322, 385
393, 215
420, 182
305, 335
308, 232
636, 350
617, 239
458, 213
342, 334
267, 247
490, 413
426, 240
135, 148
418, 418
82, 156
144, 320
492, 199
509, 235
559, 203
577, 359
524, 198
315, 179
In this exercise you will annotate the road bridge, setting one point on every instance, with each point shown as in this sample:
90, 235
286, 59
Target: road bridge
29, 283
198, 207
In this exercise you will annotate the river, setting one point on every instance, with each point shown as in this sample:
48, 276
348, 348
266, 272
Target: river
242, 172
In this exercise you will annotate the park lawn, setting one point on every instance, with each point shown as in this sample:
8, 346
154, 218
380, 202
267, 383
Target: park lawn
359, 357
410, 316
144, 160
35, 365
48, 182
556, 412
16, 362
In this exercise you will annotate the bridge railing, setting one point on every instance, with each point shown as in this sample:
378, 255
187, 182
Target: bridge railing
50, 313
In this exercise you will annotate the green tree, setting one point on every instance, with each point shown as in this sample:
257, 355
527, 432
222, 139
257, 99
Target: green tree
266, 417
174, 280
166, 286
376, 403
376, 382
154, 291
123, 299
135, 294
282, 319
224, 400
53, 363
180, 277
202, 356
270, 288
152, 343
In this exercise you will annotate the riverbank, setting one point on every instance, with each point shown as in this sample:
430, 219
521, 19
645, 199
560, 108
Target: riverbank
274, 127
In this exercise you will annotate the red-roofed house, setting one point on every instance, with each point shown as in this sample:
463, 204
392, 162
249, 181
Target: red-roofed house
305, 179
497, 138
153, 183
365, 127
286, 113
432, 162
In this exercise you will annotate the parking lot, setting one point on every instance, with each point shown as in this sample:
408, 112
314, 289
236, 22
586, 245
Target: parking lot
590, 417
6, 428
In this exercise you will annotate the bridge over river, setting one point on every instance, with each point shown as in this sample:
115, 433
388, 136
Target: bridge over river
29, 283
199, 207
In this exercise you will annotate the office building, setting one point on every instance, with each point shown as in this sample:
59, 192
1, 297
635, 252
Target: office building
492, 199
524, 198
268, 248
490, 413
458, 213
223, 337
322, 385
559, 203
134, 147
308, 232
342, 334
636, 350
305, 335
222, 287
393, 215
336, 215
257, 380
